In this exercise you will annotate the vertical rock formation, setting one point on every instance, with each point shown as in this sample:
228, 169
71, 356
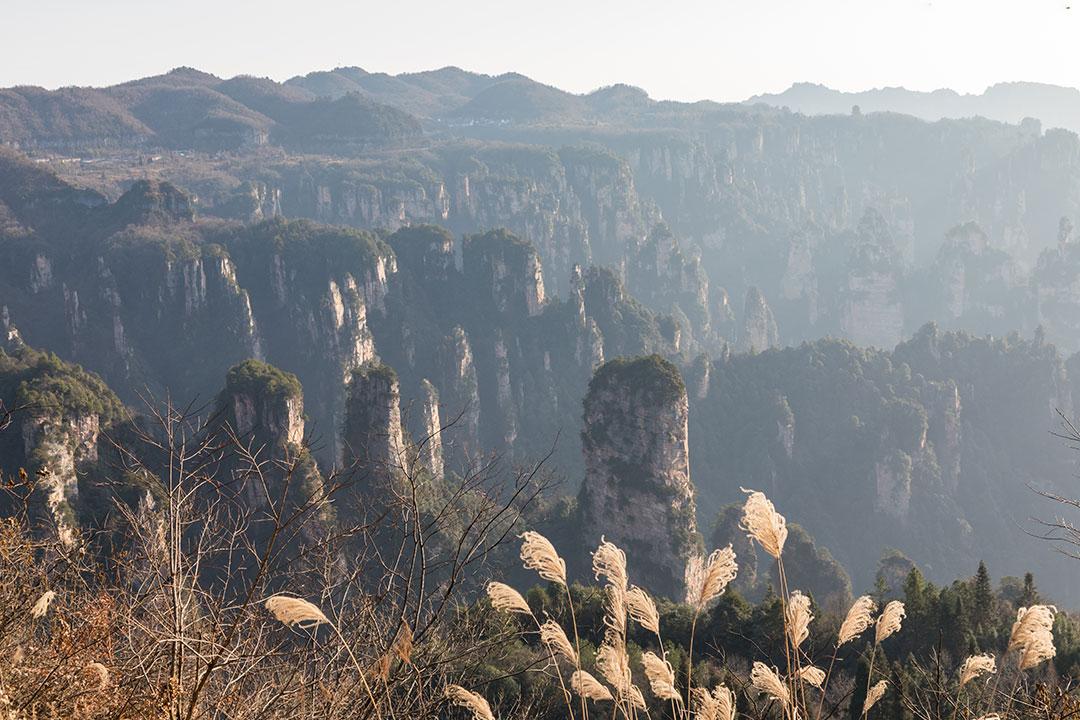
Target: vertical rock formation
57, 447
759, 326
509, 267
637, 491
430, 439
872, 312
264, 406
460, 393
56, 436
264, 403
372, 437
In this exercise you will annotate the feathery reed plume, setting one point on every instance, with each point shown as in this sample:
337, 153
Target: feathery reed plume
798, 617
975, 666
538, 554
609, 562
636, 698
471, 701
552, 635
1030, 621
859, 617
873, 695
42, 605
717, 705
614, 665
403, 644
505, 598
643, 610
661, 677
589, 687
381, 669
761, 522
812, 675
888, 623
294, 611
100, 672
1039, 648
706, 580
765, 680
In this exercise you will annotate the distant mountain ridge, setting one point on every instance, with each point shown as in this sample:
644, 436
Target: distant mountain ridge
1011, 102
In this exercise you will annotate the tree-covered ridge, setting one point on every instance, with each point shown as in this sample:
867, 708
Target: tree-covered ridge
253, 376
932, 447
40, 382
651, 375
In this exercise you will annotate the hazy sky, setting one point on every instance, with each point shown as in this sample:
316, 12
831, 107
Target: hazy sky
718, 49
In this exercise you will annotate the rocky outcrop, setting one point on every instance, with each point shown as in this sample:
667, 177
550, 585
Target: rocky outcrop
637, 490
509, 268
265, 404
759, 331
264, 408
57, 448
873, 313
374, 446
429, 440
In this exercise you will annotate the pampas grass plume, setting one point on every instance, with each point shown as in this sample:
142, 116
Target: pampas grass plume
1030, 621
552, 635
762, 523
661, 677
717, 705
706, 580
873, 695
589, 687
469, 700
294, 611
975, 666
643, 610
538, 554
889, 621
505, 598
798, 617
609, 562
813, 675
859, 617
765, 680
42, 605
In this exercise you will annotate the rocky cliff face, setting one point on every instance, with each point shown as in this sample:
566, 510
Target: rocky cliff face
264, 407
759, 331
56, 434
429, 438
637, 490
372, 436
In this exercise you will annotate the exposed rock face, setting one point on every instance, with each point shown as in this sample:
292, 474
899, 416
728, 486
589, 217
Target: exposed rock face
431, 449
1056, 286
667, 280
637, 490
59, 447
759, 326
372, 437
265, 403
264, 406
510, 268
873, 313
892, 478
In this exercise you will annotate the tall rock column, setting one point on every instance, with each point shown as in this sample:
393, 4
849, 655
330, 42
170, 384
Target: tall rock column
637, 491
373, 439
430, 441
